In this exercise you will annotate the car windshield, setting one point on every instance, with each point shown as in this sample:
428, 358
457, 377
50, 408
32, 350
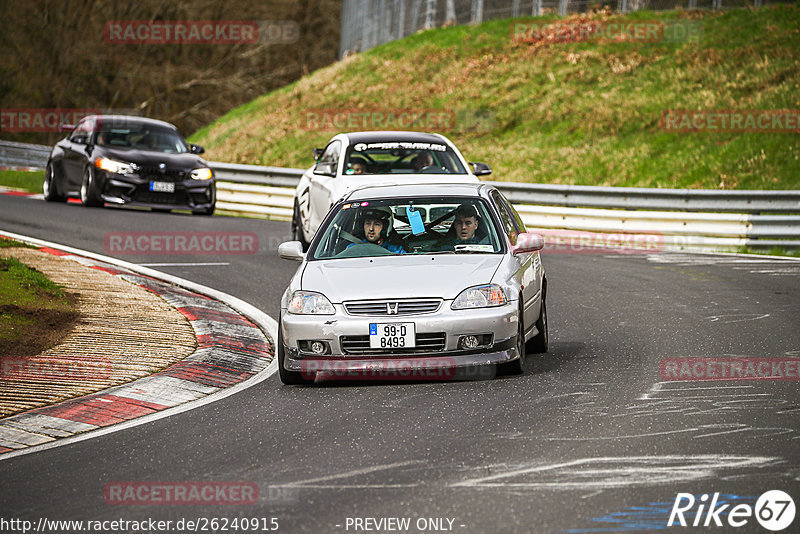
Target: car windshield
430, 225
401, 157
143, 138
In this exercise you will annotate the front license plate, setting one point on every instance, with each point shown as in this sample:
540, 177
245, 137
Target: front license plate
391, 335
162, 187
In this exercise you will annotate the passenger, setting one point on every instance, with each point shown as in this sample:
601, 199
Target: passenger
464, 227
356, 165
377, 225
422, 162
358, 168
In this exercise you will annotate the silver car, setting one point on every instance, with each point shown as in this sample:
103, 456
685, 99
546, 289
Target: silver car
426, 281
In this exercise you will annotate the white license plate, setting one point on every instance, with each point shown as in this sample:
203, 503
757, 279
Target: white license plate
162, 187
391, 335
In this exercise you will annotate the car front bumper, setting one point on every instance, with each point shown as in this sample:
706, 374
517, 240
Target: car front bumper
133, 190
439, 354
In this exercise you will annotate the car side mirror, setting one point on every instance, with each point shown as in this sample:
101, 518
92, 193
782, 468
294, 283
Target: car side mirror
480, 169
196, 149
325, 169
317, 153
528, 242
291, 250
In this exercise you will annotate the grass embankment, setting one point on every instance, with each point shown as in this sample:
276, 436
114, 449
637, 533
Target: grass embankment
30, 181
571, 113
35, 313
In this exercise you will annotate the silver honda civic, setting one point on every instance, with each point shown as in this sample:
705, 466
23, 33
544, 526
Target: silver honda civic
414, 282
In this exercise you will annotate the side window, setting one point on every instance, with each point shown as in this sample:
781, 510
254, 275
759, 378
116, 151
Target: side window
81, 132
328, 162
517, 219
331, 154
506, 217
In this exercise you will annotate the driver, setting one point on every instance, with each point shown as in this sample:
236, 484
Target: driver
422, 162
377, 225
465, 225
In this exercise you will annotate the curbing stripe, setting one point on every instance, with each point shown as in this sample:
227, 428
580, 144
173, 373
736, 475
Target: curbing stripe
233, 354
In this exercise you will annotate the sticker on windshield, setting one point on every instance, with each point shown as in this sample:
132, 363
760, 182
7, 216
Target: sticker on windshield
474, 248
405, 145
415, 220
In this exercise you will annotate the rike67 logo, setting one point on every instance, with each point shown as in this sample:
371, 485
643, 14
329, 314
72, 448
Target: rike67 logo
774, 510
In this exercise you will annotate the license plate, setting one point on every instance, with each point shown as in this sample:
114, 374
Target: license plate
391, 335
162, 187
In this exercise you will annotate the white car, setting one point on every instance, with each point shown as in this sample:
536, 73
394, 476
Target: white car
352, 160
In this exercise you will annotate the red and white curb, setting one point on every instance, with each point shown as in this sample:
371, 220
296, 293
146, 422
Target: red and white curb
233, 353
11, 192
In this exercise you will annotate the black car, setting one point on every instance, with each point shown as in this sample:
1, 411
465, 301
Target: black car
120, 159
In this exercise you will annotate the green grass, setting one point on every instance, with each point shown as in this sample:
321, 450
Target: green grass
571, 113
774, 251
6, 242
19, 284
30, 181
33, 309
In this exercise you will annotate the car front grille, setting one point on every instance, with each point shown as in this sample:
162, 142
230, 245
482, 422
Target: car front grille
157, 175
392, 307
434, 342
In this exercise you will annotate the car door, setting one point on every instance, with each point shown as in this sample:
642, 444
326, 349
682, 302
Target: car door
322, 186
527, 263
76, 154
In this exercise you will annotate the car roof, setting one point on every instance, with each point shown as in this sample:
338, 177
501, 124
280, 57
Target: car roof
368, 192
130, 120
389, 136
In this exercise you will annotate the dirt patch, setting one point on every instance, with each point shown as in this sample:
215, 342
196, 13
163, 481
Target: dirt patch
37, 330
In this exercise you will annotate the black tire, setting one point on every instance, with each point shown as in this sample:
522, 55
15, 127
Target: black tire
290, 378
206, 212
540, 343
89, 196
297, 230
50, 186
515, 367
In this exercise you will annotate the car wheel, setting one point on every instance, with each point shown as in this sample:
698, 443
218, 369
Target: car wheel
206, 211
50, 186
515, 367
290, 378
89, 196
540, 343
297, 229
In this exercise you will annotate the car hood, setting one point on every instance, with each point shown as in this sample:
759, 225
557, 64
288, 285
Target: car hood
147, 158
405, 276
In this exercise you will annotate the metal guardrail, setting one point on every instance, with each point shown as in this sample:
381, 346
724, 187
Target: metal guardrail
683, 218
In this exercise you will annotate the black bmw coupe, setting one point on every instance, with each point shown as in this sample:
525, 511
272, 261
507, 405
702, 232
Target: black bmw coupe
118, 159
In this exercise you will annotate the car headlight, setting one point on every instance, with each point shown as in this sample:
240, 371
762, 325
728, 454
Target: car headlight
202, 174
485, 296
310, 303
114, 166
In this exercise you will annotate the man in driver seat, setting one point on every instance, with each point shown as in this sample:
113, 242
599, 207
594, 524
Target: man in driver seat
377, 225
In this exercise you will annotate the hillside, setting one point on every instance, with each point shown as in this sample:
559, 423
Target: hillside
559, 112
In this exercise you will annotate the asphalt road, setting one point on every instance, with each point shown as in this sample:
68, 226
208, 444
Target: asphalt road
588, 439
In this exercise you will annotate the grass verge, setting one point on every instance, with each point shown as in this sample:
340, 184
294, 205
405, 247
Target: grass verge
35, 312
30, 181
584, 113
